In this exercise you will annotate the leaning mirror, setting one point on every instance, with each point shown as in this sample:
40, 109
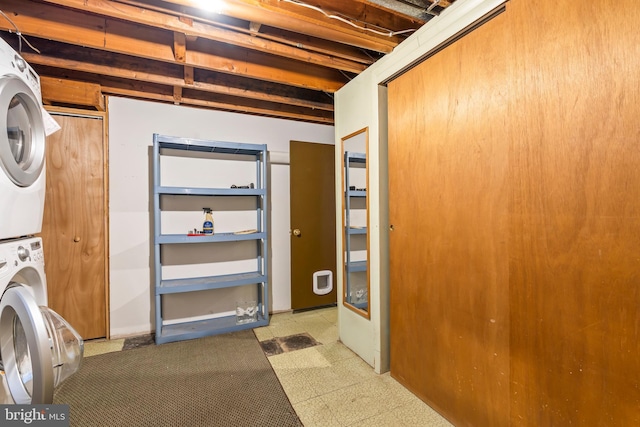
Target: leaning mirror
355, 240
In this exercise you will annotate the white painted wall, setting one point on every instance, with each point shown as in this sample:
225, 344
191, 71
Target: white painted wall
132, 124
362, 103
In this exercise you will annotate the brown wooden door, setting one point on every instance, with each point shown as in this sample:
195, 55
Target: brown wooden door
514, 196
73, 230
449, 289
313, 213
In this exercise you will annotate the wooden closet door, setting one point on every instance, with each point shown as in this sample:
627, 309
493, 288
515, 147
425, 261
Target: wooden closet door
574, 245
514, 196
449, 317
73, 232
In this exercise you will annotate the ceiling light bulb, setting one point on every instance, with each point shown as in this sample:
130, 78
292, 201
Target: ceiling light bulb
216, 6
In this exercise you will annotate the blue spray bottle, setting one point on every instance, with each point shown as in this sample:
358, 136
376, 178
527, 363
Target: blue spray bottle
207, 225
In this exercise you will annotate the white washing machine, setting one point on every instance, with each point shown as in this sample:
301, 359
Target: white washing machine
22, 147
38, 348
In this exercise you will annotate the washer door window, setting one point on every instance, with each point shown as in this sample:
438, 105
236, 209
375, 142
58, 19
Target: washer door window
39, 349
25, 348
22, 137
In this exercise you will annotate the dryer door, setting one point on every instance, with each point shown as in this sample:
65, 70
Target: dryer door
22, 135
25, 348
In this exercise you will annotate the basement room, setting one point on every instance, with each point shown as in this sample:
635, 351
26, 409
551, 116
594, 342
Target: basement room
319, 213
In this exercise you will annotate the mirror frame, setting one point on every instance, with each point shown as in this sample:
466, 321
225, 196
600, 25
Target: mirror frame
364, 313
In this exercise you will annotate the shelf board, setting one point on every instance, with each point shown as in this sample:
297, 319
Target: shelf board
211, 282
356, 266
355, 157
208, 238
207, 146
357, 193
360, 305
196, 191
205, 328
353, 231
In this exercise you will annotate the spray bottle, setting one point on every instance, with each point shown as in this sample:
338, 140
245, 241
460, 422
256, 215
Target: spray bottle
207, 225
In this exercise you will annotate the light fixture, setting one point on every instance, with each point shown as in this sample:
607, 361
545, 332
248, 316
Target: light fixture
216, 6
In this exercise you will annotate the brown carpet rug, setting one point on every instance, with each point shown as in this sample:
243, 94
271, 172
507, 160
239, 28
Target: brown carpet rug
224, 380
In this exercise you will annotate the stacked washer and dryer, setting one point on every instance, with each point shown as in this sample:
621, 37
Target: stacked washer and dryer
38, 348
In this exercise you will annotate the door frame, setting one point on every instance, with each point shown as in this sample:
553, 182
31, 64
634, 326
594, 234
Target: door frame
104, 116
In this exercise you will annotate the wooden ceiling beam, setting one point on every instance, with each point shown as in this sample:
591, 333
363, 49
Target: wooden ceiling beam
289, 38
177, 95
192, 29
254, 28
179, 47
135, 40
190, 97
228, 59
188, 75
371, 14
141, 91
71, 92
427, 3
277, 13
318, 45
284, 95
165, 76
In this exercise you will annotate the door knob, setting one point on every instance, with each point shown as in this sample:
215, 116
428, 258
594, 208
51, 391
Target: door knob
76, 239
296, 232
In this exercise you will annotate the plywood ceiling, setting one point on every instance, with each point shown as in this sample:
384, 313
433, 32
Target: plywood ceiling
277, 58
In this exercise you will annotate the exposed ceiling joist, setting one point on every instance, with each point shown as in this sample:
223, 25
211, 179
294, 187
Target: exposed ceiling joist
127, 38
289, 15
196, 29
122, 67
280, 58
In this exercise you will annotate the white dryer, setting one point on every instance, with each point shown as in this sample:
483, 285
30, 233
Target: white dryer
22, 147
38, 348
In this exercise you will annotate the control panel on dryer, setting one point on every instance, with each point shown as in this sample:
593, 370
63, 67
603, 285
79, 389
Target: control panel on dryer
27, 72
17, 254
37, 253
12, 63
23, 253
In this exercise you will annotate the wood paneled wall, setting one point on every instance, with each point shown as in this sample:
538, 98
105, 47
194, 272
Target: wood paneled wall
514, 166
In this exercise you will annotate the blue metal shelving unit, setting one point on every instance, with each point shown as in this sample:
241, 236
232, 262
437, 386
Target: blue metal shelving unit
258, 277
350, 160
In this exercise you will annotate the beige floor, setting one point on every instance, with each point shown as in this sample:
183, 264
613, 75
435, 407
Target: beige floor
329, 385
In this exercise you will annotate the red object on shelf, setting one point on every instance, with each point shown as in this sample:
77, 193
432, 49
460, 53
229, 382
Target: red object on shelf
196, 234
